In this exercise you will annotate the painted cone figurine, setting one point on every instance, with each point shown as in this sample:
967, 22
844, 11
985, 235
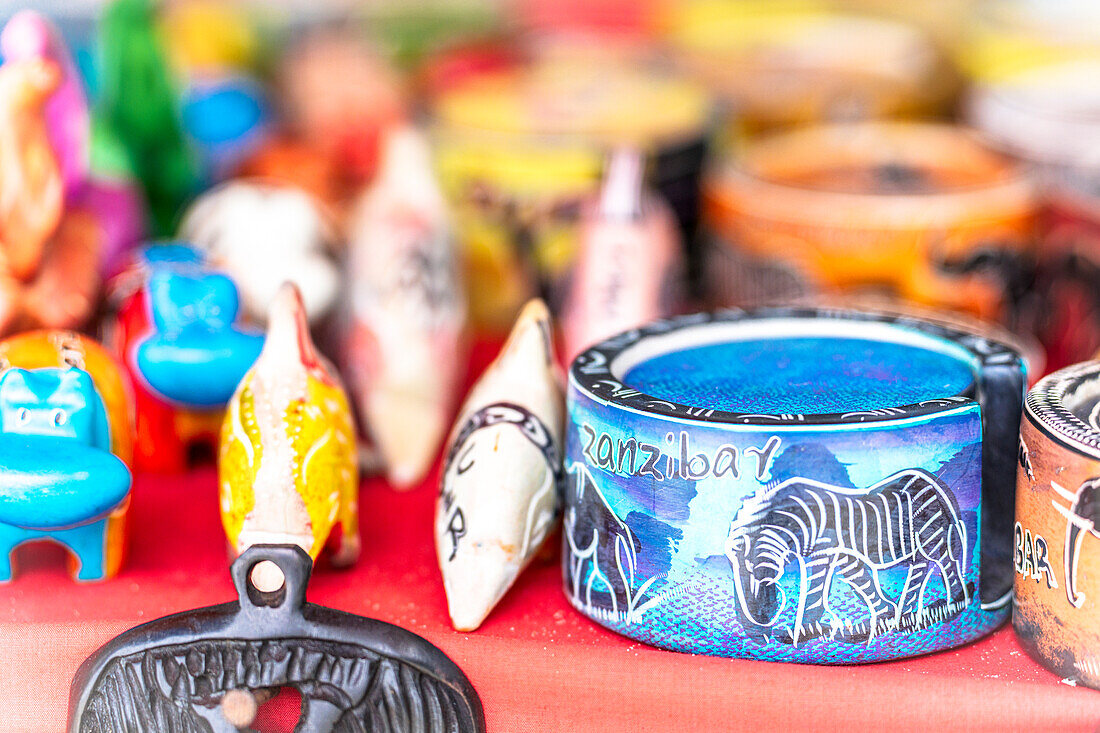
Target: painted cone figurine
629, 262
407, 311
499, 494
287, 464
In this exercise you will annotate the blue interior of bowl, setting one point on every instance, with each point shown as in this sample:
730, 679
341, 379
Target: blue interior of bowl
810, 375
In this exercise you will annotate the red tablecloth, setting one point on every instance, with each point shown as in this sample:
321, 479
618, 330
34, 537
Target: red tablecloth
537, 664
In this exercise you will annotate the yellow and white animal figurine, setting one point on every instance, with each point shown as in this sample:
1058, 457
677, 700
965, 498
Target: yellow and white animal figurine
287, 464
407, 311
499, 494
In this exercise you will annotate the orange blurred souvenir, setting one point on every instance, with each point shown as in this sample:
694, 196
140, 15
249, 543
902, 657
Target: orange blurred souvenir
339, 96
49, 275
281, 159
922, 212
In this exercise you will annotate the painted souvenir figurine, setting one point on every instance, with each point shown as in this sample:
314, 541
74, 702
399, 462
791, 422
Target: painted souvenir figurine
408, 310
629, 259
1057, 535
498, 497
263, 235
176, 331
819, 486
60, 226
65, 446
353, 673
287, 468
140, 102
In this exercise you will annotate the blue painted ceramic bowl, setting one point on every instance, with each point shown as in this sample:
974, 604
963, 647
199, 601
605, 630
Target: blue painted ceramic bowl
799, 485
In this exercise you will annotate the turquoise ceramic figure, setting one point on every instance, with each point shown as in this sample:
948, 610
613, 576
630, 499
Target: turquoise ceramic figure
58, 476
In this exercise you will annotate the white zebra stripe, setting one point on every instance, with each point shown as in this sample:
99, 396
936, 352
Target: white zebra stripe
813, 534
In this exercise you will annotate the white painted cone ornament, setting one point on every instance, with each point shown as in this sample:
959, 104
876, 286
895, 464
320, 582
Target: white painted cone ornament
404, 351
287, 468
629, 262
499, 493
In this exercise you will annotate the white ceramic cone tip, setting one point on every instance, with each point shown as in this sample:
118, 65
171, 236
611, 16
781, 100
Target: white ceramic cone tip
621, 197
287, 305
475, 584
405, 145
532, 330
287, 328
408, 429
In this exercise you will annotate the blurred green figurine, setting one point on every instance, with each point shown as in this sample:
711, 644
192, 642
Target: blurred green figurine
140, 102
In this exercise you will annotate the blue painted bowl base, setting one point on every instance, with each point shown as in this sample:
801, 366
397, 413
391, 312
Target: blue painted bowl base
87, 543
681, 635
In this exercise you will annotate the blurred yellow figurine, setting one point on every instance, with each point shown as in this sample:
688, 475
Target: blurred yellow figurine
287, 464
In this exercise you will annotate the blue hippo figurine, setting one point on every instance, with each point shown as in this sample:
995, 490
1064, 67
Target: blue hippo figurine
58, 476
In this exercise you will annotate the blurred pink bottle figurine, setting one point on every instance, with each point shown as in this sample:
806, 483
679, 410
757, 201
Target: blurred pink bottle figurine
407, 310
629, 260
27, 37
114, 205
498, 497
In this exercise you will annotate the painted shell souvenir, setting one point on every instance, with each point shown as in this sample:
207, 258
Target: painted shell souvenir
287, 468
629, 260
179, 673
804, 485
175, 328
499, 492
1057, 535
408, 310
263, 235
924, 212
65, 448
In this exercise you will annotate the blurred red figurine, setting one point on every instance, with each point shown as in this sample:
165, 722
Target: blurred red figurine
175, 330
629, 262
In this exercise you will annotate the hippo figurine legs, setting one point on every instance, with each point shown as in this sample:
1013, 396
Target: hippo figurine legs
95, 552
59, 479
